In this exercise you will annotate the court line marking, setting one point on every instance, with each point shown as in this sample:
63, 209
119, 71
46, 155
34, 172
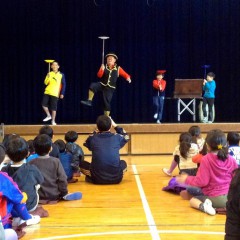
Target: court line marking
130, 232
151, 223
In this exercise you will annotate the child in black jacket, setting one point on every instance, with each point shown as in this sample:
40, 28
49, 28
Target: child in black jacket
232, 226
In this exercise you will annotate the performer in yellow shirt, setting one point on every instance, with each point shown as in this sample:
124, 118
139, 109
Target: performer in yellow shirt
56, 85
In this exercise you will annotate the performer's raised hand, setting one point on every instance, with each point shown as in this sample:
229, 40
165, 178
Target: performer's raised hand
129, 80
61, 96
102, 67
204, 81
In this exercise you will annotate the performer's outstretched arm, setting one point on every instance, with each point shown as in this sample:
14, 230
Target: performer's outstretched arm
123, 74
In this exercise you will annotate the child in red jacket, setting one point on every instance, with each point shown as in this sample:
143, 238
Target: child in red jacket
159, 86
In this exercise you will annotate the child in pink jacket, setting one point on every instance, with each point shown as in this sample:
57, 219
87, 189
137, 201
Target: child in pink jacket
214, 175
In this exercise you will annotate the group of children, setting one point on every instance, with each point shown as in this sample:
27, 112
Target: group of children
38, 171
209, 174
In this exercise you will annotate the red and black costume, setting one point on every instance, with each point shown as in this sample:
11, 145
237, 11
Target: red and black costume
108, 83
108, 75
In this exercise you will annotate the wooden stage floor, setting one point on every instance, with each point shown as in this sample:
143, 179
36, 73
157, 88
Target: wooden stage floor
135, 209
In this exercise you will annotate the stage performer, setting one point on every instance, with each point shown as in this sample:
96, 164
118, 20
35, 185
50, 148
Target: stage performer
159, 86
108, 75
209, 87
56, 85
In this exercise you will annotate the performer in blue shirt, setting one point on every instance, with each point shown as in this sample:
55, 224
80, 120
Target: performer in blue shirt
209, 87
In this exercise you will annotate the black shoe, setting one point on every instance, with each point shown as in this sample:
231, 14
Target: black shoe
87, 103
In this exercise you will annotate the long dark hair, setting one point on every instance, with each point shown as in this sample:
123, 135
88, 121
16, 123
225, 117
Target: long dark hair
217, 141
195, 132
185, 141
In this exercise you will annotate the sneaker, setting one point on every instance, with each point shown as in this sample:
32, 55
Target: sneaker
166, 171
207, 206
158, 121
209, 121
54, 123
47, 118
73, 196
155, 116
20, 222
204, 120
34, 220
87, 103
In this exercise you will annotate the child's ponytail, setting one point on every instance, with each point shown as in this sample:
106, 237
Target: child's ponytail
217, 141
223, 153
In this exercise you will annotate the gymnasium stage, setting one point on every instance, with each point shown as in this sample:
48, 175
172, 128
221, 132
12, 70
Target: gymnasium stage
137, 208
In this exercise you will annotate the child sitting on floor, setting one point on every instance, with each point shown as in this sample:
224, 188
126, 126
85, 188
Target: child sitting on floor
182, 156
28, 177
72, 147
195, 132
214, 175
233, 146
49, 131
6, 140
12, 204
54, 187
66, 159
106, 166
232, 228
31, 150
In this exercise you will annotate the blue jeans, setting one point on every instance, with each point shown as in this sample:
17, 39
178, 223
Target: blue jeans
158, 103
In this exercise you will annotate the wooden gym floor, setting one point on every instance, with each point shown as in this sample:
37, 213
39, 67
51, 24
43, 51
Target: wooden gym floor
135, 209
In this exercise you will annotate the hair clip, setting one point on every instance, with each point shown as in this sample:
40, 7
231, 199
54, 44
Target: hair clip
220, 146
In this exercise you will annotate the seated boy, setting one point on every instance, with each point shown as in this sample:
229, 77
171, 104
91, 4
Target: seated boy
12, 204
233, 139
106, 166
54, 187
31, 150
4, 146
72, 147
49, 131
66, 159
28, 177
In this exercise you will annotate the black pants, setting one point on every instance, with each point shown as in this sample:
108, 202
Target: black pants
85, 169
107, 93
210, 102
